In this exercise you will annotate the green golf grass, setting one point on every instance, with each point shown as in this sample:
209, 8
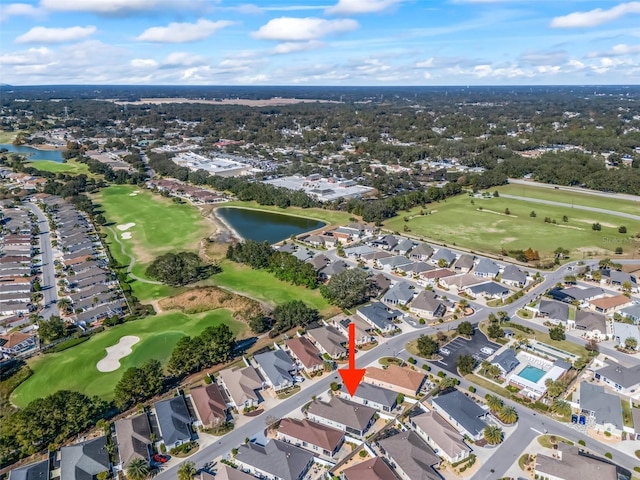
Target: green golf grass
70, 167
75, 368
457, 221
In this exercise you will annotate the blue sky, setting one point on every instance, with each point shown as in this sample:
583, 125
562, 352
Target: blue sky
320, 42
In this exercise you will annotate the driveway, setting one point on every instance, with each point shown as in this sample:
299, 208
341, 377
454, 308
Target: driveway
461, 346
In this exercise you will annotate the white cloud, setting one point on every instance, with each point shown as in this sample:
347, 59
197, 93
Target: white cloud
55, 35
292, 47
183, 32
289, 29
143, 63
616, 51
351, 7
595, 17
544, 58
19, 9
112, 7
183, 59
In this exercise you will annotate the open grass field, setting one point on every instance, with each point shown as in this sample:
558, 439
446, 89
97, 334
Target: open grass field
329, 216
70, 167
483, 226
161, 226
610, 202
261, 285
7, 137
75, 368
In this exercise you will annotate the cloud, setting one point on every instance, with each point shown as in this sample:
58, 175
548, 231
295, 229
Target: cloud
616, 51
182, 32
289, 29
293, 47
115, 7
19, 9
595, 17
351, 7
544, 58
55, 35
143, 63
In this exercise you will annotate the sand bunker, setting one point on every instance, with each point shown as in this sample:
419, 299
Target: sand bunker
126, 226
133, 194
126, 236
114, 353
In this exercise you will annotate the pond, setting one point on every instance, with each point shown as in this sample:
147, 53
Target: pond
259, 225
33, 153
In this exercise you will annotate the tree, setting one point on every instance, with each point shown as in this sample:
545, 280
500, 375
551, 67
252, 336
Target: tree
630, 343
138, 384
507, 211
493, 402
137, 469
465, 328
335, 386
465, 364
533, 214
442, 263
494, 371
561, 252
503, 317
596, 226
560, 407
427, 346
492, 434
187, 471
494, 331
554, 388
52, 329
565, 219
64, 304
622, 229
592, 346
100, 219
627, 286
448, 382
347, 288
508, 414
557, 333
619, 251
182, 268
260, 324
293, 314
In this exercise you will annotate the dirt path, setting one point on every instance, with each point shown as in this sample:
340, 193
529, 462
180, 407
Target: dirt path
132, 261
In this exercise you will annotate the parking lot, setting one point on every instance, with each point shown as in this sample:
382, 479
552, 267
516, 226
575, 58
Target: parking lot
461, 346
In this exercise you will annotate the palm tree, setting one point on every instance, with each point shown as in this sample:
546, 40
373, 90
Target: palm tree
494, 371
560, 407
137, 469
64, 304
187, 471
484, 366
492, 434
508, 415
494, 403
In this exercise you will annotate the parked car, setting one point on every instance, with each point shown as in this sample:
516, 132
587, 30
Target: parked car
445, 351
159, 458
487, 350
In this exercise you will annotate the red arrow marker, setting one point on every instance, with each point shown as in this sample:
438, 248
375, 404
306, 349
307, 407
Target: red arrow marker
352, 376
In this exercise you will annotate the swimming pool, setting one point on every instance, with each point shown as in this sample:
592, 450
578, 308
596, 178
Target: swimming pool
533, 374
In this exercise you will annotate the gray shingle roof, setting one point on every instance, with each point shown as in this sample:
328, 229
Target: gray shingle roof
444, 253
429, 302
276, 365
607, 407
134, 438
85, 460
342, 411
375, 394
33, 471
507, 360
173, 420
379, 314
464, 262
276, 458
623, 376
464, 410
401, 292
591, 321
329, 339
409, 452
514, 274
489, 288
487, 267
554, 310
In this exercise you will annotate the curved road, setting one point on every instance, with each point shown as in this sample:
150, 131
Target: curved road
575, 207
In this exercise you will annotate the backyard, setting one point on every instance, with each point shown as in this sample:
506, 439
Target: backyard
75, 368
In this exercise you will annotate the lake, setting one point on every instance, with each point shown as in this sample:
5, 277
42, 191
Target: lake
259, 225
33, 153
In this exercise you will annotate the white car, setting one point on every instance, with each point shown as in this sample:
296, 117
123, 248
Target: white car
487, 350
445, 351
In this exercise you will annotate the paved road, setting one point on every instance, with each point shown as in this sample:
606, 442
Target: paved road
623, 196
49, 287
571, 205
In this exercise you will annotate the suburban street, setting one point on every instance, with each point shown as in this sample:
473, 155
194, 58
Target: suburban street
49, 288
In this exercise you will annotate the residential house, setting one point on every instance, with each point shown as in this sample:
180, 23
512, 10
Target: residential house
17, 343
583, 295
555, 312
386, 242
404, 246
372, 469
427, 305
399, 379
85, 460
462, 412
32, 471
359, 250
632, 312
371, 396
174, 421
380, 283
134, 439
241, 386
277, 369
513, 276
319, 261
567, 463
275, 461
464, 264
432, 277
422, 252
444, 254
488, 290
604, 407
460, 282
362, 328
506, 361
610, 304
210, 406
319, 439
623, 379
410, 457
400, 294
389, 264
349, 417
329, 341
305, 353
379, 316
332, 269
414, 270
225, 472
441, 436
617, 278
594, 324
486, 269
622, 331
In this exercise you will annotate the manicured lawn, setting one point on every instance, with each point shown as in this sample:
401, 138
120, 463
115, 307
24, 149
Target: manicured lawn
544, 337
70, 167
75, 368
566, 196
545, 441
329, 216
483, 226
261, 285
